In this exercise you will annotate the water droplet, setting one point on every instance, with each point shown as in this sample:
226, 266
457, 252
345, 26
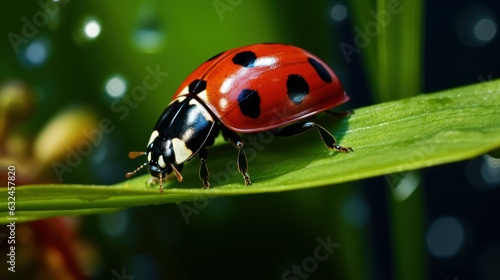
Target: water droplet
445, 237
116, 86
338, 12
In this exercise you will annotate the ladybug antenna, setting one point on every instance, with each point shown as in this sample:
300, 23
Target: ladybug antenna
133, 155
130, 174
177, 173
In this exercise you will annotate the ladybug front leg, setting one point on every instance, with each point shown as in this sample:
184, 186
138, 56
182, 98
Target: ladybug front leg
235, 140
204, 174
298, 128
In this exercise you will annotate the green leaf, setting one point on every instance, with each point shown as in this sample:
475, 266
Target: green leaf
402, 135
389, 36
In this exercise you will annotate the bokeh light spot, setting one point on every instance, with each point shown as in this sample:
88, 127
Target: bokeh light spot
36, 52
149, 34
483, 173
338, 12
145, 265
116, 86
490, 170
148, 38
445, 237
92, 28
355, 211
114, 224
476, 25
485, 29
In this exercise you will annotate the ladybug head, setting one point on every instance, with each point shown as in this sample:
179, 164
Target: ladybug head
161, 158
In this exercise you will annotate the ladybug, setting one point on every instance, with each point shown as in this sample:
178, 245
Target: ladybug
261, 87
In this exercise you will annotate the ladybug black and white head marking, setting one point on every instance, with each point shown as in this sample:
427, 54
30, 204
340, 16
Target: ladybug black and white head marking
161, 158
183, 129
159, 152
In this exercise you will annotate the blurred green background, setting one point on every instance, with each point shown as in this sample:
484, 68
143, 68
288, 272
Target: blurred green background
70, 66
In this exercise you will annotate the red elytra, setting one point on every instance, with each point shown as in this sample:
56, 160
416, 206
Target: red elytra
262, 87
265, 69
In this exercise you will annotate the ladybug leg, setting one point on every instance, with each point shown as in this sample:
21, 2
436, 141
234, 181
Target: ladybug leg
299, 128
235, 140
243, 163
204, 174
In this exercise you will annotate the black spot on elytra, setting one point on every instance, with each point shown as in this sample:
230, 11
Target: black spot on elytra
249, 102
215, 56
297, 88
245, 59
320, 69
197, 86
